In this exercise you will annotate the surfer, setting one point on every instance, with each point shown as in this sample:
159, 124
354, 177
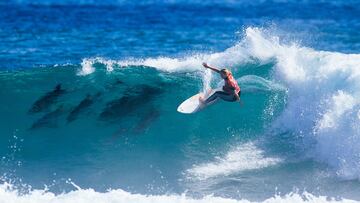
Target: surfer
231, 90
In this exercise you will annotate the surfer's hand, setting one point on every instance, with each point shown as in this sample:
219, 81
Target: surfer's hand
205, 65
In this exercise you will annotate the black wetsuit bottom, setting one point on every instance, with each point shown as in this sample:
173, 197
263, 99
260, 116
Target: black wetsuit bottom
223, 95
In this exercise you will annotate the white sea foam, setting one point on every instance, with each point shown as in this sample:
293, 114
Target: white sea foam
8, 195
87, 67
228, 58
323, 101
244, 157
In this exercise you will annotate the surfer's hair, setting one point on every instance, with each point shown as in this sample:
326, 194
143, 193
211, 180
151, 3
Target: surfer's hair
225, 71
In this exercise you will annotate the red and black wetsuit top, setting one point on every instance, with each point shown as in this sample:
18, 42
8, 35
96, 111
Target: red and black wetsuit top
231, 85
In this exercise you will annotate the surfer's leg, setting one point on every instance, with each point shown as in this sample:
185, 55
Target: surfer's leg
220, 94
211, 98
226, 97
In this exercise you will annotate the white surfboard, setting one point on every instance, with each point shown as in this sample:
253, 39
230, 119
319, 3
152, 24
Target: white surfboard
193, 105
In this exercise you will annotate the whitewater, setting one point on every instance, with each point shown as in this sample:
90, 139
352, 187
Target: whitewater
119, 195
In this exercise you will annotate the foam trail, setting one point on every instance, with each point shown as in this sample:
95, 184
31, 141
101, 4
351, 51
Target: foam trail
244, 157
7, 194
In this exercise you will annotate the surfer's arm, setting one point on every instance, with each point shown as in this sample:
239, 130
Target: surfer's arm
211, 68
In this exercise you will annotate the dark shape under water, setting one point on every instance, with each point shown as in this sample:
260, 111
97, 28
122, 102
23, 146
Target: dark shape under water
82, 106
49, 120
44, 102
134, 98
146, 121
114, 84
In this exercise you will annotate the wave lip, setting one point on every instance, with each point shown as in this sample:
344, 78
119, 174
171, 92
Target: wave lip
245, 157
230, 57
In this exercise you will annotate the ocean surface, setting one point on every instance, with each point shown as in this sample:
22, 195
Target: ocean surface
89, 92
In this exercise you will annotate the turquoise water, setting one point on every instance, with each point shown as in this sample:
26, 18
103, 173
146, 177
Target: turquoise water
88, 102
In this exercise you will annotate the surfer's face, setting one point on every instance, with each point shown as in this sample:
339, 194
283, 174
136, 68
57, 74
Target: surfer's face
224, 73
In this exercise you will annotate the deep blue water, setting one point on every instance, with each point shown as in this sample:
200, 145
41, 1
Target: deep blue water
65, 32
123, 68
